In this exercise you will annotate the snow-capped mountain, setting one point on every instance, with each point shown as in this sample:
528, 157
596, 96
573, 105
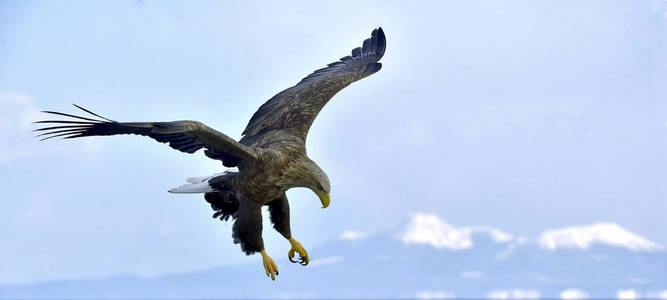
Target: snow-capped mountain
425, 257
583, 237
430, 230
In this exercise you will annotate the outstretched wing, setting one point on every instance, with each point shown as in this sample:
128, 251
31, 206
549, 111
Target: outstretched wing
293, 110
184, 136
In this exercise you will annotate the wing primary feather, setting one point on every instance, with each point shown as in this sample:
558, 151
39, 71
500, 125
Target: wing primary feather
366, 48
61, 134
68, 115
382, 43
75, 135
92, 113
374, 41
59, 127
70, 129
65, 122
59, 131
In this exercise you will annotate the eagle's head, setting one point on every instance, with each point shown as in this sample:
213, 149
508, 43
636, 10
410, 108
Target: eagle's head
314, 178
321, 186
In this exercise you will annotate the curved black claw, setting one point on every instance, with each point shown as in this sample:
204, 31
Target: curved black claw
302, 261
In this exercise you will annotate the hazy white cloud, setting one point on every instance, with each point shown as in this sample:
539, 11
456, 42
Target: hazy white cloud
429, 229
657, 294
603, 233
627, 294
572, 294
16, 113
326, 261
513, 294
435, 295
353, 235
17, 141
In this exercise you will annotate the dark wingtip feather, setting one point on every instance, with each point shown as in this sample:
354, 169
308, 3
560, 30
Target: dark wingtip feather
60, 134
70, 128
356, 52
61, 131
59, 127
381, 42
92, 113
73, 136
377, 67
68, 115
374, 40
366, 47
62, 122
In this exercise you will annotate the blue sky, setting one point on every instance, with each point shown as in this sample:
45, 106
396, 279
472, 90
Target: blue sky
521, 115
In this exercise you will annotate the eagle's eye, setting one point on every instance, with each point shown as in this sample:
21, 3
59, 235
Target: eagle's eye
319, 186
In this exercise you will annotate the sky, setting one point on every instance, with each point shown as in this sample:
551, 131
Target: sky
520, 115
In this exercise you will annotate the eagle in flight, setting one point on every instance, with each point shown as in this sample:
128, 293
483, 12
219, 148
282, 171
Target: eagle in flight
270, 157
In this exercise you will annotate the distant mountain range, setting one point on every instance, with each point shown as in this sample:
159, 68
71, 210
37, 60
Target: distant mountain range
425, 257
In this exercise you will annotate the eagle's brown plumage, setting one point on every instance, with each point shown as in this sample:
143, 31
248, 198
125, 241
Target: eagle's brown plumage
271, 155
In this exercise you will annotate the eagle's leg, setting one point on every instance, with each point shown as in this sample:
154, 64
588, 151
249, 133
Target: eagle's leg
269, 266
247, 231
279, 210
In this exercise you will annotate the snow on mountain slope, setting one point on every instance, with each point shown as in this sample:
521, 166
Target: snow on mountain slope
429, 229
583, 237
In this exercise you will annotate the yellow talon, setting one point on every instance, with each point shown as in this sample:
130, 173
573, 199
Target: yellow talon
296, 247
269, 266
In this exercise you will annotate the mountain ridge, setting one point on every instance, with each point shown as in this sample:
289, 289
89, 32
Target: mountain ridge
385, 264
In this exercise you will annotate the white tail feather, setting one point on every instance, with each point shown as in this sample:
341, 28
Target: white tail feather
193, 188
197, 185
201, 178
195, 179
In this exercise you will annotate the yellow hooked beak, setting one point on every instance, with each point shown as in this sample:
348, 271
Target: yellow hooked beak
324, 198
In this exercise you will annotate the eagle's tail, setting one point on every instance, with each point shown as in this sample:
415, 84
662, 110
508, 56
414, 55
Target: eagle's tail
194, 187
197, 185
218, 190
